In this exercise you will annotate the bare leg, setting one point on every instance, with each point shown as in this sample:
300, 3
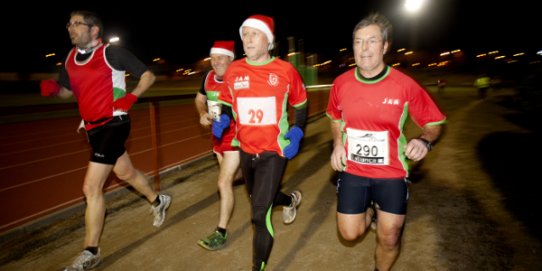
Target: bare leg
95, 178
352, 226
228, 168
388, 239
125, 170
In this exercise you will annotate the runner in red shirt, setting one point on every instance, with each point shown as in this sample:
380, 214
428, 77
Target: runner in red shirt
369, 106
259, 89
222, 54
94, 72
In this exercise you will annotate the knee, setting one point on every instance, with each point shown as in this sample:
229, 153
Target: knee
91, 190
127, 174
350, 233
259, 216
390, 240
224, 182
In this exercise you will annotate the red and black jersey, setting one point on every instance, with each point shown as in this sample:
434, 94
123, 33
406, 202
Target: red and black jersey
97, 79
211, 87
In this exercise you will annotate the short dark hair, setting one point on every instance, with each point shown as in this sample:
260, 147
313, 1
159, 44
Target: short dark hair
90, 18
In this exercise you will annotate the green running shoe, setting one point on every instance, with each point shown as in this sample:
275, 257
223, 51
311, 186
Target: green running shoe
215, 241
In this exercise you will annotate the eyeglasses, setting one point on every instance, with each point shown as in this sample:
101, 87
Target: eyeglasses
76, 24
370, 42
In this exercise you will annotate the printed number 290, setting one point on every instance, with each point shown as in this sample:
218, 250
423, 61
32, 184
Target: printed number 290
367, 150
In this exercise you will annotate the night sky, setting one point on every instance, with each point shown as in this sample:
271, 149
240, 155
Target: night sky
183, 35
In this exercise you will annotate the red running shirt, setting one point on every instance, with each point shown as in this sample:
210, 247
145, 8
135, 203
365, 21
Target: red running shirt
372, 116
95, 84
259, 95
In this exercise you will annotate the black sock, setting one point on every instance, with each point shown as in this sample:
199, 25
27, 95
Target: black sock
282, 199
221, 230
93, 250
156, 202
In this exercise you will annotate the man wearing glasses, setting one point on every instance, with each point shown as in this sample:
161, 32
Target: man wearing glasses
95, 73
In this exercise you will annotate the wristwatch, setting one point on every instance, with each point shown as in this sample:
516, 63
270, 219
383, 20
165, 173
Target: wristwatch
428, 144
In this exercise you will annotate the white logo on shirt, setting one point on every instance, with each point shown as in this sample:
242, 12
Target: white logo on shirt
390, 101
241, 82
273, 80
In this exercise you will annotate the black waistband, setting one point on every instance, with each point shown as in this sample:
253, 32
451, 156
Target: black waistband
98, 121
264, 154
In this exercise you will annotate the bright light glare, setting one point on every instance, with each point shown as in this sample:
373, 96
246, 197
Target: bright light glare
114, 39
413, 6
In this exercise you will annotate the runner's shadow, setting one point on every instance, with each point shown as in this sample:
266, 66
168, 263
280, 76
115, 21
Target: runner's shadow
507, 158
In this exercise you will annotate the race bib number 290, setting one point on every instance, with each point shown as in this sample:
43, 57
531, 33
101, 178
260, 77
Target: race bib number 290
257, 110
368, 147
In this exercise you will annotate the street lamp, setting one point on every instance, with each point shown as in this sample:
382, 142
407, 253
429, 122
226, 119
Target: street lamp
114, 39
413, 8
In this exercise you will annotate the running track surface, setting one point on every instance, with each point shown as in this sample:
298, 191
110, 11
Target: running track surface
43, 162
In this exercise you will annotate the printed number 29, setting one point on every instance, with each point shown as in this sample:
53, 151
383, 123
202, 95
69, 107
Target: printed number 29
256, 116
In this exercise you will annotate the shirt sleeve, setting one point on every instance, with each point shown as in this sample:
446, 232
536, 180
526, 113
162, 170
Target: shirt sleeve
298, 94
202, 87
225, 96
63, 78
333, 111
423, 109
123, 60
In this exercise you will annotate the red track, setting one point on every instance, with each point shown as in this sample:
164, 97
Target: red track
43, 162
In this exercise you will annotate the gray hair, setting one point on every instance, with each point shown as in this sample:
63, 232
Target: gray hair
386, 29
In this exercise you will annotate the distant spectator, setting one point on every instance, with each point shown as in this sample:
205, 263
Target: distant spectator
482, 83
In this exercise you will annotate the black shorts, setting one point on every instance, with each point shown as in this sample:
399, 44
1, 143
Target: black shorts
107, 141
355, 194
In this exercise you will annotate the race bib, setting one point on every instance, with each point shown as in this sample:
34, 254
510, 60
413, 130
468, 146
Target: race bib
214, 109
257, 111
368, 147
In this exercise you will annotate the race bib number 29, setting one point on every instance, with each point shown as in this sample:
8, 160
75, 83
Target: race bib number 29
257, 110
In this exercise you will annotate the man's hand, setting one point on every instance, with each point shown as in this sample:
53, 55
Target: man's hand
338, 157
205, 120
294, 135
49, 88
416, 150
221, 125
125, 103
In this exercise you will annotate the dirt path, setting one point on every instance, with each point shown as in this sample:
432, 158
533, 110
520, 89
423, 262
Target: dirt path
460, 204
459, 218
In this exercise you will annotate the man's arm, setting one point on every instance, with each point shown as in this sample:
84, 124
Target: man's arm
145, 81
301, 116
417, 148
338, 156
204, 118
125, 103
64, 93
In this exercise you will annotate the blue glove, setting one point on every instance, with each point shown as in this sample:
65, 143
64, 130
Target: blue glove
220, 126
294, 135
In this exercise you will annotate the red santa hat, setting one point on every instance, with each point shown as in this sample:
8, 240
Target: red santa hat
223, 47
262, 23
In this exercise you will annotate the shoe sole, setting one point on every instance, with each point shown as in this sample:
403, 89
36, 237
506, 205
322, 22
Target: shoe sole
297, 203
164, 213
203, 245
